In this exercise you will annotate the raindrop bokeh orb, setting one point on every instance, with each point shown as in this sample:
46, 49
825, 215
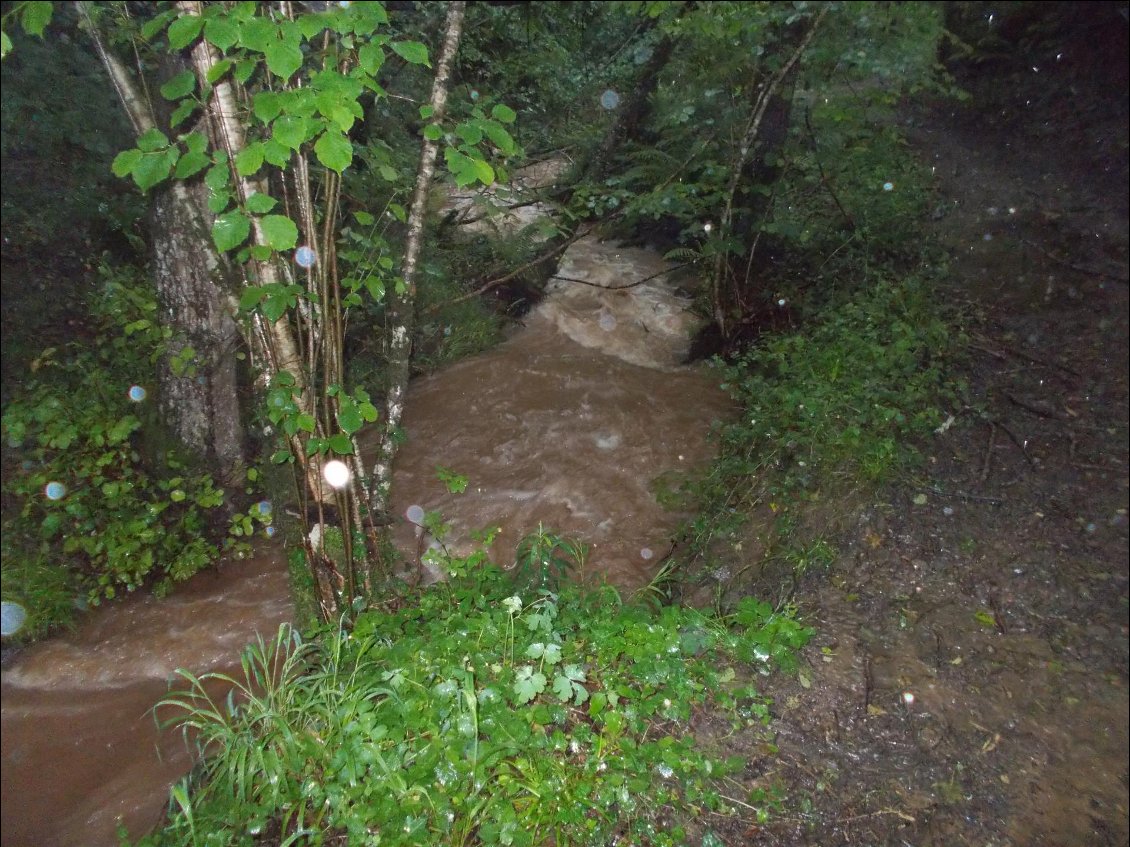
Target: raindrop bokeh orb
136, 393
264, 507
607, 321
336, 473
305, 257
271, 532
55, 491
13, 616
646, 553
888, 186
415, 514
609, 99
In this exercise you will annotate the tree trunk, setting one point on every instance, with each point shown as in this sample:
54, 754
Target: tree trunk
402, 300
200, 405
198, 388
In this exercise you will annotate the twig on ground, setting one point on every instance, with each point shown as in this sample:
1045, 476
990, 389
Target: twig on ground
987, 461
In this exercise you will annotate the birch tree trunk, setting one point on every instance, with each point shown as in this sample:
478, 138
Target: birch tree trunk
199, 403
402, 300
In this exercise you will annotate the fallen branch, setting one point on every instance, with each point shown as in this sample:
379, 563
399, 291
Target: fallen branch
622, 287
482, 288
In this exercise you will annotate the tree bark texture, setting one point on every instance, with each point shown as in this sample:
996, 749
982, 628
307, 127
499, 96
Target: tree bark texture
201, 406
402, 302
200, 403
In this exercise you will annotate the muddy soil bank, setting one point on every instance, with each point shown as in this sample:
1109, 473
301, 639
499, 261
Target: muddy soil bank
968, 684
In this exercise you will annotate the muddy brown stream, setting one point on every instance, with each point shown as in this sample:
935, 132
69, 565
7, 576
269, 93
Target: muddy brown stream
567, 424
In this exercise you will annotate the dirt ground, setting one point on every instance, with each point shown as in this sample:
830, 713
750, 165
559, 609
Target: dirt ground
968, 683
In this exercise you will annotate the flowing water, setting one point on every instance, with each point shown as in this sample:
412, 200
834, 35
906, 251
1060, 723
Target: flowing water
567, 424
81, 748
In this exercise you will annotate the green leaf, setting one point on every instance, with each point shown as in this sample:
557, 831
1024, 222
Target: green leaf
280, 231
249, 159
387, 173
218, 70
433, 132
152, 140
260, 204
503, 113
290, 131
283, 58
275, 153
218, 201
257, 33
267, 106
151, 169
250, 297
306, 422
180, 85
426, 111
349, 417
157, 24
230, 230
222, 32
184, 30
195, 142
218, 176
181, 112
191, 164
312, 25
528, 685
125, 162
362, 217
341, 444
411, 51
484, 172
34, 17
371, 56
501, 138
5, 45
470, 133
334, 151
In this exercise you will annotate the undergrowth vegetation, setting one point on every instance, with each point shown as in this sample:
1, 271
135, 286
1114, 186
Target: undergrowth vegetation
95, 502
475, 713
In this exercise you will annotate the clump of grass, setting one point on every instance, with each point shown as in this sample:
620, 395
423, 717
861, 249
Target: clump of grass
478, 713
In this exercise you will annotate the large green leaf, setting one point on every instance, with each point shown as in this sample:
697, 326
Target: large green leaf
34, 17
349, 417
411, 51
334, 150
260, 204
290, 130
191, 163
249, 159
180, 85
267, 106
183, 31
503, 113
125, 162
341, 444
279, 231
230, 230
152, 140
283, 58
222, 32
152, 168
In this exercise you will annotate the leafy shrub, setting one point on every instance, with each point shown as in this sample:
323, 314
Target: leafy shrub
474, 715
85, 492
